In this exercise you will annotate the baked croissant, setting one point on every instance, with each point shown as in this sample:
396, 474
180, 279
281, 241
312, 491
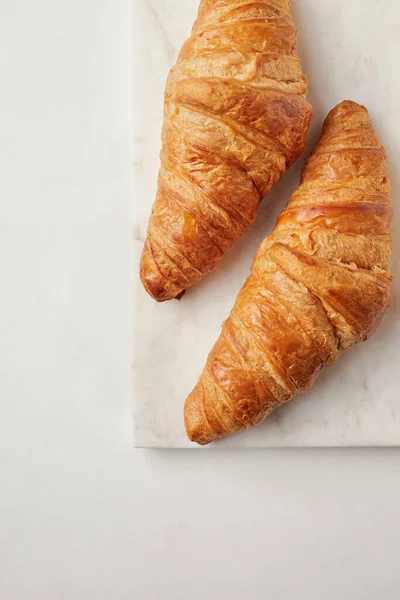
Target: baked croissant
319, 284
235, 118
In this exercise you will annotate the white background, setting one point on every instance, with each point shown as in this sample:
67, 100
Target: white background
82, 515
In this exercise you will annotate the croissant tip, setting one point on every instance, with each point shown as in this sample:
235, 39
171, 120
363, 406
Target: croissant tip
195, 425
350, 104
344, 109
152, 282
153, 288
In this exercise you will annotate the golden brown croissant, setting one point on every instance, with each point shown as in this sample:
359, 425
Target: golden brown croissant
235, 118
319, 284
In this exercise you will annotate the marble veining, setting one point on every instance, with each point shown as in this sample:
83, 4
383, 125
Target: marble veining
348, 51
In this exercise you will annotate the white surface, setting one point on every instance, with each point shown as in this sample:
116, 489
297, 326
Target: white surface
83, 516
349, 50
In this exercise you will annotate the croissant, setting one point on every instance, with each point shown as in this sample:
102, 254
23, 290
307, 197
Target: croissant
319, 284
235, 118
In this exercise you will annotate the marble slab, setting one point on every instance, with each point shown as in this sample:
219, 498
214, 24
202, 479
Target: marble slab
349, 50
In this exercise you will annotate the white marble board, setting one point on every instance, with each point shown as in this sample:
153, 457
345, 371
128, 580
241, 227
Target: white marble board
349, 50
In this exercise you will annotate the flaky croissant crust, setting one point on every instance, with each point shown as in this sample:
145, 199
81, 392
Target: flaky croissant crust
319, 284
235, 118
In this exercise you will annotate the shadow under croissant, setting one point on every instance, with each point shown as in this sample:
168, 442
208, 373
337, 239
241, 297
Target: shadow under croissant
236, 263
304, 21
393, 158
